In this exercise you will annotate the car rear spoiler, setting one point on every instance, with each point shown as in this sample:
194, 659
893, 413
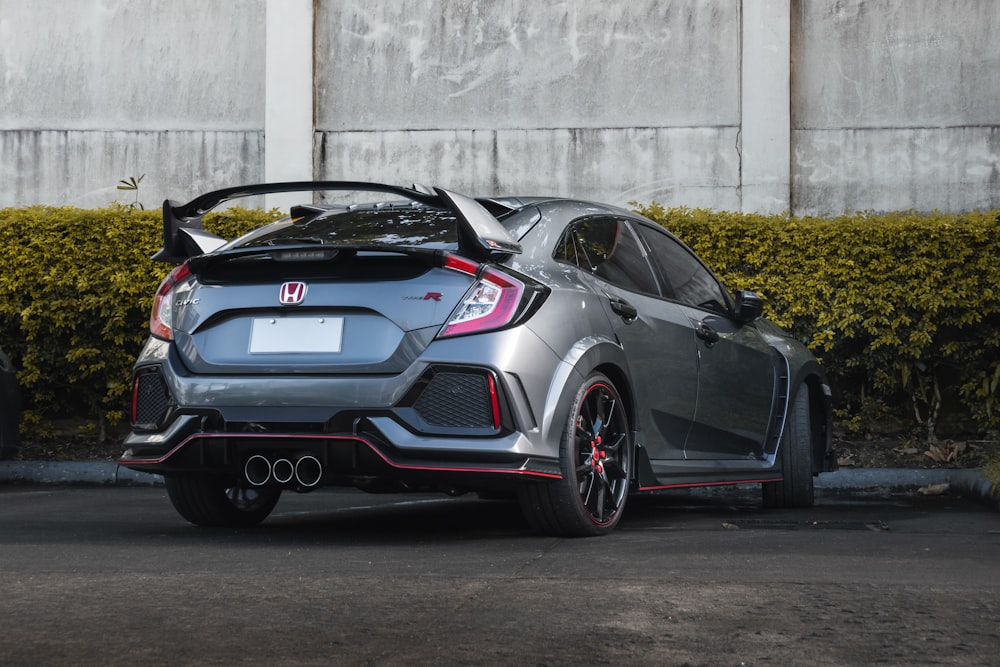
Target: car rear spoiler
480, 235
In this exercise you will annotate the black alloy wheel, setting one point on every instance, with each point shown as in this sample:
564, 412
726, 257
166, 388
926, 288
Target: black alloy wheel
596, 462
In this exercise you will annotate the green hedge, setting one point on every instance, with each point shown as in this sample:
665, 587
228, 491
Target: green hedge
902, 308
76, 288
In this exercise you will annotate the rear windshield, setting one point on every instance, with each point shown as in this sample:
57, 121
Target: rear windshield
402, 225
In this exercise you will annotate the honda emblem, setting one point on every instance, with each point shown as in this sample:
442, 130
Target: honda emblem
292, 294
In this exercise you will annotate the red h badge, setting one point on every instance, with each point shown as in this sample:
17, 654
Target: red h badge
292, 293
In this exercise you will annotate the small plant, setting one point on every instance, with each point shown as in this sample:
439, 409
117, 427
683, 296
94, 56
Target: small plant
131, 184
946, 453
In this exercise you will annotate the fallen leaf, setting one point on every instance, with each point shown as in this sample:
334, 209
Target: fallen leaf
933, 489
877, 525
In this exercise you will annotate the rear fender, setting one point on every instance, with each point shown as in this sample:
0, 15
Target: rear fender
586, 356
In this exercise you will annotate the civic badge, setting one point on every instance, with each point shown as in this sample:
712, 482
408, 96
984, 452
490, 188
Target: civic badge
292, 294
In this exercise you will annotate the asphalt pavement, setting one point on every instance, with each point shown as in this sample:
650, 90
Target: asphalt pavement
110, 575
967, 483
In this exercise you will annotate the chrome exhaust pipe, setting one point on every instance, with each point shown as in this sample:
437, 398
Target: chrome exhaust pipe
308, 471
282, 470
257, 470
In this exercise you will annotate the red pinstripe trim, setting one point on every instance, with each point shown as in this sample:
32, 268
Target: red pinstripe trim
353, 438
691, 484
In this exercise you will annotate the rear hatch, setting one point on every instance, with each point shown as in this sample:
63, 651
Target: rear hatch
347, 289
358, 289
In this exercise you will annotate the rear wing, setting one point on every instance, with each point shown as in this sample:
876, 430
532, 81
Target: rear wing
480, 235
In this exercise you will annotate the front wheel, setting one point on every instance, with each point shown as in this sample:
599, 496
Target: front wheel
796, 452
595, 458
208, 501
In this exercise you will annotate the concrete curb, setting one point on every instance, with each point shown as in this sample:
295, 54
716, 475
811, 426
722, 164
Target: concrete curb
74, 472
968, 483
964, 482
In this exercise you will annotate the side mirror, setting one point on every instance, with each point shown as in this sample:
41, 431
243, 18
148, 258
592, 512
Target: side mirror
749, 306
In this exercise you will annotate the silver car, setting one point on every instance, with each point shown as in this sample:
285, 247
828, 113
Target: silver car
565, 352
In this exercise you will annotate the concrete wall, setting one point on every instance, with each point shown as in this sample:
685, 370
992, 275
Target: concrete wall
616, 101
895, 105
818, 106
94, 91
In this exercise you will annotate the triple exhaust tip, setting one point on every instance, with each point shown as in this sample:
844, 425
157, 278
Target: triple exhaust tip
307, 470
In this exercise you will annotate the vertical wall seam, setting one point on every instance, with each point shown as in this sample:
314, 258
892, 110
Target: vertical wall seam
739, 103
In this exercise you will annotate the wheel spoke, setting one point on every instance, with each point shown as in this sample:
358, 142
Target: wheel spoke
614, 470
616, 446
586, 488
599, 504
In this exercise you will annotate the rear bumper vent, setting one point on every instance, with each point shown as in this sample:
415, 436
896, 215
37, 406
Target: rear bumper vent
457, 400
151, 400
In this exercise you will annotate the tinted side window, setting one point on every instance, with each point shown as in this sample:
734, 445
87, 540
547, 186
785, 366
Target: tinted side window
691, 283
606, 248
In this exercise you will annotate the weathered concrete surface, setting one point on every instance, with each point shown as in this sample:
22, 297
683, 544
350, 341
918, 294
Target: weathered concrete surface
111, 65
610, 101
82, 168
95, 91
944, 168
691, 166
894, 105
817, 106
521, 64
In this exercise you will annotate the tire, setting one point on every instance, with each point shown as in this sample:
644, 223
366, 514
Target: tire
796, 452
208, 501
595, 458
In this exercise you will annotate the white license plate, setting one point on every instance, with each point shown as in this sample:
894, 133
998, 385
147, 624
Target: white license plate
271, 335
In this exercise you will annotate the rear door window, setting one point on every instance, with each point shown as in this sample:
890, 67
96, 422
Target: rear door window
607, 248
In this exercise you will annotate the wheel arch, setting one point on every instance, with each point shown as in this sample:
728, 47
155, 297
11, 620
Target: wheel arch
596, 354
619, 378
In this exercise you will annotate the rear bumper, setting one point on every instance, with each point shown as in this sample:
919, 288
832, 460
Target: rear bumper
347, 458
461, 413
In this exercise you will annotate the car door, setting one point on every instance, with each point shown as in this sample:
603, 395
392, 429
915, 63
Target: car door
737, 382
655, 334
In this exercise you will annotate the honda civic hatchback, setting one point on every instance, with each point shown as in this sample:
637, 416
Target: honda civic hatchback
566, 353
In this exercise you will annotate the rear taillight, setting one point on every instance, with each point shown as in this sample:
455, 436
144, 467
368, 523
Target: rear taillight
161, 320
491, 303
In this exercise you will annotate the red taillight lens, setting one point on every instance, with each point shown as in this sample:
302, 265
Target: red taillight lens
491, 304
461, 264
161, 319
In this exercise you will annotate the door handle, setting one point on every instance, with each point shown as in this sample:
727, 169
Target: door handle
706, 333
624, 309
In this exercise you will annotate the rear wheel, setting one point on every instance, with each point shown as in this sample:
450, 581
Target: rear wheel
796, 452
209, 501
595, 459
